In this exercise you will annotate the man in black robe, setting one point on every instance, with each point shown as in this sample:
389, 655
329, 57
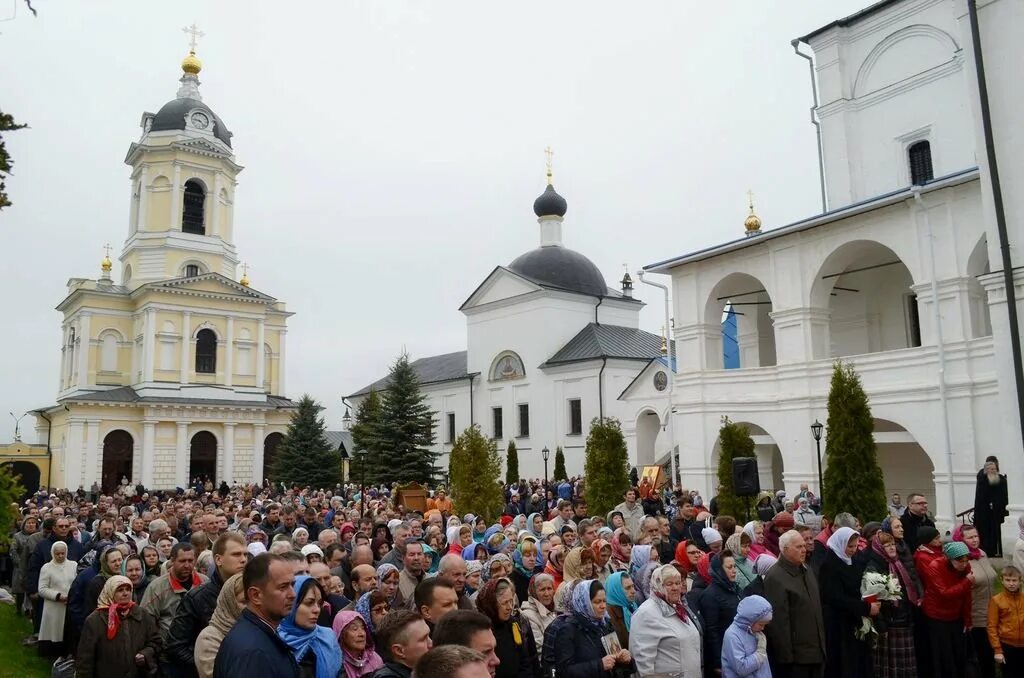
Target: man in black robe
990, 499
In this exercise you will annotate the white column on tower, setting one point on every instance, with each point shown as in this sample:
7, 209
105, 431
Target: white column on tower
64, 356
176, 199
83, 349
148, 345
229, 452
186, 343
74, 453
261, 358
181, 478
143, 199
148, 451
215, 205
91, 462
257, 452
230, 353
280, 363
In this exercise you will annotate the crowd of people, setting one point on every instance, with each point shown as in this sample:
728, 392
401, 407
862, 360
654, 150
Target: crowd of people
257, 580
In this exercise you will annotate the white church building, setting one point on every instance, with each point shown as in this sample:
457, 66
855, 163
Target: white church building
901, 274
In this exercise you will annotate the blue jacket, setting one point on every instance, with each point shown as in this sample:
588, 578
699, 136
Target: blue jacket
76, 595
739, 645
252, 648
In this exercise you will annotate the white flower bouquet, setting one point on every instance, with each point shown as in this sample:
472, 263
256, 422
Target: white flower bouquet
875, 587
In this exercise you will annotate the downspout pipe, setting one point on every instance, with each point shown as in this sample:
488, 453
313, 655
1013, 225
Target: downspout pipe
815, 122
941, 347
997, 201
600, 388
471, 378
671, 382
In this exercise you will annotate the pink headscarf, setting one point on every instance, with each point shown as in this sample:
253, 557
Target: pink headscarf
369, 661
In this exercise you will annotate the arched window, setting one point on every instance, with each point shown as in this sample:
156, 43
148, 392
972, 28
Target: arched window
108, 352
206, 352
191, 270
192, 215
920, 157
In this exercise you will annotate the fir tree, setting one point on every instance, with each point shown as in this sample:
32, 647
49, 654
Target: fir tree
511, 464
607, 465
304, 457
11, 494
366, 437
7, 124
853, 478
474, 472
560, 473
406, 430
733, 441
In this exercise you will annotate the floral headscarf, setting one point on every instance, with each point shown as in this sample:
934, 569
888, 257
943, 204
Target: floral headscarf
319, 639
620, 551
580, 605
599, 557
641, 556
489, 565
487, 599
115, 611
658, 578
228, 610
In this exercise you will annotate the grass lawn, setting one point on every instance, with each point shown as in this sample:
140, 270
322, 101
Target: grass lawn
16, 660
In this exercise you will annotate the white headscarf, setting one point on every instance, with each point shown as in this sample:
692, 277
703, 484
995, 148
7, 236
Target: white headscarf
659, 575
839, 540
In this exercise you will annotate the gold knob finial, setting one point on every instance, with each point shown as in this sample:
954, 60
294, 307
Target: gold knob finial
752, 223
244, 282
191, 64
106, 264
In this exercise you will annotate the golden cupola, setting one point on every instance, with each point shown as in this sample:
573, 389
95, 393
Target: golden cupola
752, 224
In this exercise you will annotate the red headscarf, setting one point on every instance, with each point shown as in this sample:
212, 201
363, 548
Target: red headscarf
681, 559
958, 535
620, 552
704, 567
596, 547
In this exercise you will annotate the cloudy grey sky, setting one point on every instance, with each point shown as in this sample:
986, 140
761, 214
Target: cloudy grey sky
393, 149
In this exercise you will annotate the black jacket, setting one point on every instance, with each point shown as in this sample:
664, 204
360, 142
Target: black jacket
842, 609
911, 524
579, 651
518, 660
718, 608
252, 648
192, 616
392, 670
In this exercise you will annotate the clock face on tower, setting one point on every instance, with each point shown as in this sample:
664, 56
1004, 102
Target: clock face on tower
199, 120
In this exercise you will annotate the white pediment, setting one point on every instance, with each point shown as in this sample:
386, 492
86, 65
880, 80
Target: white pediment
501, 285
209, 283
645, 386
204, 147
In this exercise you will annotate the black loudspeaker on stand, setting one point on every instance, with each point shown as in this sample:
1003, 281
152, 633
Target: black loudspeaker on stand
745, 479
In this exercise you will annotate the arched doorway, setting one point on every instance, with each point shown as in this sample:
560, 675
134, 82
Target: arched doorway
202, 461
648, 426
867, 289
743, 307
118, 455
906, 467
270, 444
27, 475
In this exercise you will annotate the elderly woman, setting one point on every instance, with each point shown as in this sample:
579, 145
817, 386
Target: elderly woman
755, 530
580, 649
474, 573
602, 559
892, 652
666, 635
579, 564
620, 594
843, 607
357, 651
372, 607
314, 647
118, 638
515, 646
55, 579
300, 537
642, 562
982, 589
230, 602
538, 608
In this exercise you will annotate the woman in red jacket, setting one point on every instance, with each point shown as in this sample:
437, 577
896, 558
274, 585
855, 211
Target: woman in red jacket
947, 609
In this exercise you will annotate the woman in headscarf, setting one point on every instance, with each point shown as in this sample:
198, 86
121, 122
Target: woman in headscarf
372, 607
946, 606
687, 555
357, 651
665, 637
431, 558
524, 558
718, 607
480, 529
535, 525
755, 530
55, 579
387, 575
739, 546
475, 551
538, 608
602, 558
762, 564
230, 602
982, 589
580, 650
151, 560
515, 646
579, 564
300, 537
135, 569
110, 565
118, 638
744, 646
642, 563
453, 540
555, 564
622, 550
843, 607
765, 510
620, 594
474, 572
892, 652
314, 647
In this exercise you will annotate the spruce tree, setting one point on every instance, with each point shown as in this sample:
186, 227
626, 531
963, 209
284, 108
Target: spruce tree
11, 494
733, 441
406, 430
474, 472
366, 437
304, 457
607, 465
511, 464
853, 478
560, 473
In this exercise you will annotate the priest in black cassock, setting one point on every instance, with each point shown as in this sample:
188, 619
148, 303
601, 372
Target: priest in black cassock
990, 500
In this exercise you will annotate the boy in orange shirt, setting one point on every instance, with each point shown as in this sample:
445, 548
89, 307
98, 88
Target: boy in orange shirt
1006, 624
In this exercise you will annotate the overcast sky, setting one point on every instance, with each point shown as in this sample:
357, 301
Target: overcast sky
393, 150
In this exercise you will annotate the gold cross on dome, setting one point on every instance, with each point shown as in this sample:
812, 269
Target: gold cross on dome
194, 35
245, 269
549, 154
106, 248
750, 198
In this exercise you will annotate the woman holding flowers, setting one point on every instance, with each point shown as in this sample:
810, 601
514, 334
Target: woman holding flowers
843, 607
892, 653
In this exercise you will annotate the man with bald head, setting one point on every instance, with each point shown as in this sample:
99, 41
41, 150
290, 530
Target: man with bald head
453, 566
361, 555
364, 580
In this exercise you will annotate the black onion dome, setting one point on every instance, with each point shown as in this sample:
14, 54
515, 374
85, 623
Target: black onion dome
561, 267
172, 116
550, 204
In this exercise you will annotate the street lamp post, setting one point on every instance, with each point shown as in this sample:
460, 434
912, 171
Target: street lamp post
545, 453
816, 429
362, 482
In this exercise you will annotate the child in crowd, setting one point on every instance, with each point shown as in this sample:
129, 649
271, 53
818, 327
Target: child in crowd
1006, 624
744, 646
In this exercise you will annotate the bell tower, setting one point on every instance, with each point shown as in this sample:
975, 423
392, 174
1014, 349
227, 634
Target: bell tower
183, 180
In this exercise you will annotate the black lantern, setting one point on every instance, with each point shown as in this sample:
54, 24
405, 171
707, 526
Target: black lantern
816, 428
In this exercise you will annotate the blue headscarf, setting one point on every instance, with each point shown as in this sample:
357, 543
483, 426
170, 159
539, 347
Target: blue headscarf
616, 595
529, 525
478, 536
433, 559
469, 553
641, 556
580, 605
363, 608
319, 639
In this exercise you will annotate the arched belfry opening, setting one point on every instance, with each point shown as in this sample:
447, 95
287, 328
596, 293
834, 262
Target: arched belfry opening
193, 212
